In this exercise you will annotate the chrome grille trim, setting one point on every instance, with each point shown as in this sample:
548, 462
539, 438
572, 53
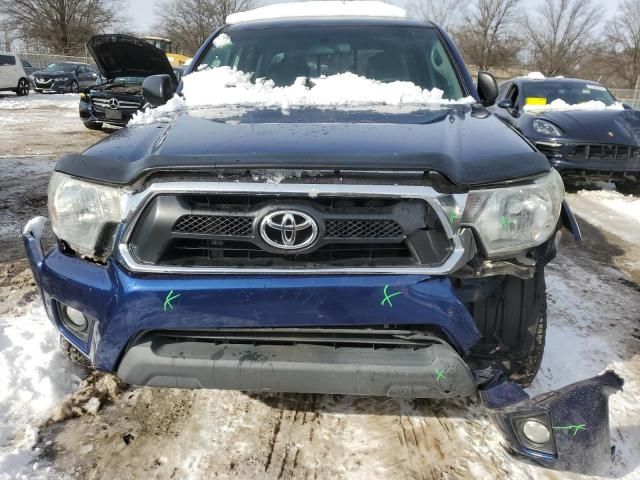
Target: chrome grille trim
123, 104
463, 245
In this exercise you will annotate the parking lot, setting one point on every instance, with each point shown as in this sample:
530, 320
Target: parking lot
59, 422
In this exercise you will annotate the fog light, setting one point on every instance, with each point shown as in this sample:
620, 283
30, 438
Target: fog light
536, 432
76, 318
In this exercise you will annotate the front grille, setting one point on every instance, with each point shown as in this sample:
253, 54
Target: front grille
605, 152
354, 228
215, 225
122, 104
225, 230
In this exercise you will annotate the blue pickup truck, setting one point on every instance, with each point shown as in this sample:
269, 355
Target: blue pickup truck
389, 250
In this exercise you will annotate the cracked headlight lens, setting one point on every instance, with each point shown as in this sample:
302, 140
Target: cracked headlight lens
513, 219
83, 212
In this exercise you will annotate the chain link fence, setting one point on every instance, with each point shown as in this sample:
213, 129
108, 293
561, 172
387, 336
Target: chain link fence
41, 60
629, 96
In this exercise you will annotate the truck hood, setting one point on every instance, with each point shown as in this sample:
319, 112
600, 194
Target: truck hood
127, 56
598, 126
465, 144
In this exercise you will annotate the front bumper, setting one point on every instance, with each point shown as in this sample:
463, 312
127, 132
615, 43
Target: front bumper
53, 87
128, 311
89, 114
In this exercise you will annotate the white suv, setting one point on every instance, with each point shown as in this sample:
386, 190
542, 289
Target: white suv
12, 76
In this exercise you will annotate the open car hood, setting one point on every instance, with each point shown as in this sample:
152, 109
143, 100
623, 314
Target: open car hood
127, 56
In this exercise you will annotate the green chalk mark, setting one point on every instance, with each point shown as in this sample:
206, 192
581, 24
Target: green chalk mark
572, 429
440, 374
387, 298
506, 223
170, 298
453, 216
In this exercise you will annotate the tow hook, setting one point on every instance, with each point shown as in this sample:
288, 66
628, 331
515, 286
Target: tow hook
566, 429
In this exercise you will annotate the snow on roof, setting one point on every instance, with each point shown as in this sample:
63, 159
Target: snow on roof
330, 8
535, 76
224, 86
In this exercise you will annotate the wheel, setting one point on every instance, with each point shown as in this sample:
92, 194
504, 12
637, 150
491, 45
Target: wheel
73, 354
512, 319
628, 187
23, 87
75, 88
93, 125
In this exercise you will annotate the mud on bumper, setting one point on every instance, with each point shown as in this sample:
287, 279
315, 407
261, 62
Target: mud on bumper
203, 332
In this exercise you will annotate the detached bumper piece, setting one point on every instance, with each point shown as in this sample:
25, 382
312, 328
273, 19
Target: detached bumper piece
296, 364
567, 429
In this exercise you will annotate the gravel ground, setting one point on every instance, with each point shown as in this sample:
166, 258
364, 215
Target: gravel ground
91, 427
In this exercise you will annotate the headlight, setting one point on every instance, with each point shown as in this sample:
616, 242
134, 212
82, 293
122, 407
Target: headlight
511, 220
546, 128
82, 213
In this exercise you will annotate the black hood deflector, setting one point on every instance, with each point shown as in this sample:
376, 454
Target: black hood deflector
127, 56
467, 146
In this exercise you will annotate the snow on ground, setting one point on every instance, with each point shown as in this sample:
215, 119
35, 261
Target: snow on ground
35, 377
329, 8
611, 211
224, 86
13, 102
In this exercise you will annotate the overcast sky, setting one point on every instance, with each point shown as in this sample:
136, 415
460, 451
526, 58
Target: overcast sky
142, 12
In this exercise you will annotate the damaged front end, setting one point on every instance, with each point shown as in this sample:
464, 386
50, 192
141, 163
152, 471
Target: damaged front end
566, 429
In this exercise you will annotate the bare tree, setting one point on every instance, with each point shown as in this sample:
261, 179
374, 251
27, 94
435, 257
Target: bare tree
61, 25
188, 23
561, 34
624, 42
443, 12
487, 36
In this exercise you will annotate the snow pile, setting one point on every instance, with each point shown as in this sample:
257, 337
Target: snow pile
319, 9
535, 76
34, 377
220, 41
562, 106
225, 86
69, 100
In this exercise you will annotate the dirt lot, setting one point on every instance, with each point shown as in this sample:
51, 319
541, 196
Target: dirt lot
97, 429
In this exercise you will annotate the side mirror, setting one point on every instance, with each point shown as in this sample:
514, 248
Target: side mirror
626, 106
505, 103
157, 89
487, 88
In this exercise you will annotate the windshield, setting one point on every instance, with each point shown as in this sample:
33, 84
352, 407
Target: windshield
62, 67
386, 54
572, 93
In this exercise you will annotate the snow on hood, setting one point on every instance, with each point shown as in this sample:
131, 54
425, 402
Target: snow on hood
328, 8
225, 86
562, 106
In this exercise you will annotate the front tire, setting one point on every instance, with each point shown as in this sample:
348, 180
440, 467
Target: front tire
22, 90
512, 319
628, 187
75, 88
93, 125
73, 354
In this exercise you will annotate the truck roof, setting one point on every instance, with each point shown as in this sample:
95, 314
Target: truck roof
319, 9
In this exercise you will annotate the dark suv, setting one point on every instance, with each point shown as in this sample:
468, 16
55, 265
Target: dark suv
124, 62
64, 77
324, 245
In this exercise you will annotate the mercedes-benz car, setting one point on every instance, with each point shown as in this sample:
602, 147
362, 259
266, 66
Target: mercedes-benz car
584, 131
324, 205
64, 77
124, 62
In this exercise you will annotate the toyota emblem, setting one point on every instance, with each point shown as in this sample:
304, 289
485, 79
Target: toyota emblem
114, 103
289, 229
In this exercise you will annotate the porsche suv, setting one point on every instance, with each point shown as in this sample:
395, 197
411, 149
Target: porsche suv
330, 241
